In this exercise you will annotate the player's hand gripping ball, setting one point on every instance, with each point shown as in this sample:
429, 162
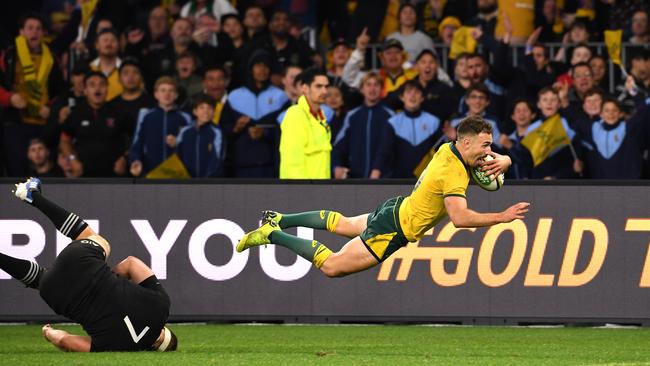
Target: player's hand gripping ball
487, 182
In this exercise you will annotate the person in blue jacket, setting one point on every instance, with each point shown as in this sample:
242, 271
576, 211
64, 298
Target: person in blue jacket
248, 121
155, 136
356, 147
410, 136
613, 147
201, 146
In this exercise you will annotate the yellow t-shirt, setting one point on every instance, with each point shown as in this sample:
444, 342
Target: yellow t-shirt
446, 175
114, 84
522, 16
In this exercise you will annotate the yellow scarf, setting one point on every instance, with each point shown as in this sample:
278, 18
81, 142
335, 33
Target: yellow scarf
35, 85
87, 10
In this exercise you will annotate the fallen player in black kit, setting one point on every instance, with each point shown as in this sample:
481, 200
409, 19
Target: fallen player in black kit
123, 309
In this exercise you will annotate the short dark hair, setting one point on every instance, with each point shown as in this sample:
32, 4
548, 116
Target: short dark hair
31, 15
580, 64
612, 100
548, 89
202, 99
309, 75
478, 55
478, 87
429, 52
215, 68
595, 90
412, 84
93, 74
472, 126
108, 30
524, 100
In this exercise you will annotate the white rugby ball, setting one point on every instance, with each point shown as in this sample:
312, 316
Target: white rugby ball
489, 183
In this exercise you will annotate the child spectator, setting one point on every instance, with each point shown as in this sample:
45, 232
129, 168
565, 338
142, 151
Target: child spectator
157, 129
201, 146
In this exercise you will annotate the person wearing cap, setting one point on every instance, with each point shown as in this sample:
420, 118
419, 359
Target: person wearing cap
133, 98
392, 59
249, 120
446, 29
409, 138
108, 62
413, 40
123, 308
337, 57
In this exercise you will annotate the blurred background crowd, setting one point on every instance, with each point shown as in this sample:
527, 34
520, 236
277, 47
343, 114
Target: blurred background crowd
199, 88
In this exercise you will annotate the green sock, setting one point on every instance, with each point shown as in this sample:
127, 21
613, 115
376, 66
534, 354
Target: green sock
321, 220
311, 250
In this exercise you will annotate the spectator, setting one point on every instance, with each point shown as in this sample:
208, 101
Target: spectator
486, 19
590, 111
356, 146
213, 45
410, 136
438, 96
108, 62
158, 128
255, 22
215, 82
613, 147
284, 49
217, 8
431, 14
189, 83
447, 28
413, 40
461, 79
392, 58
640, 30
477, 99
93, 139
599, 69
62, 105
573, 97
201, 145
337, 57
127, 105
522, 162
561, 162
233, 27
41, 164
29, 78
538, 70
636, 89
480, 73
334, 100
305, 140
249, 121
289, 82
141, 43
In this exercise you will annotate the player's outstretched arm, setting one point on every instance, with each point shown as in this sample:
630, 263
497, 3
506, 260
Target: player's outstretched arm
461, 216
66, 341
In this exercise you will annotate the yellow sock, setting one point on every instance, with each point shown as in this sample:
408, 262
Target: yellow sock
332, 221
321, 255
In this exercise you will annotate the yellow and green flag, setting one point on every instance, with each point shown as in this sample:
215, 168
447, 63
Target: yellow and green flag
547, 138
172, 168
613, 40
462, 42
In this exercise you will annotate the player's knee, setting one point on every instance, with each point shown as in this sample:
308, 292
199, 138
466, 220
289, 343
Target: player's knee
332, 272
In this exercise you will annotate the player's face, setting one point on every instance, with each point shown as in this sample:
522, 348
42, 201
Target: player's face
477, 147
610, 114
166, 95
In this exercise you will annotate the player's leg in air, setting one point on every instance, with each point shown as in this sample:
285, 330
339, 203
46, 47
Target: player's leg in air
353, 257
30, 273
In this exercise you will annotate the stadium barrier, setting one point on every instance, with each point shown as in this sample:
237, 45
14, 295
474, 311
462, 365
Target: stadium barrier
582, 255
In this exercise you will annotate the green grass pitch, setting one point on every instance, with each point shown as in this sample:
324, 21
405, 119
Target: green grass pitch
353, 345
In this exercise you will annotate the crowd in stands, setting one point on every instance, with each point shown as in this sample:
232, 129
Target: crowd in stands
204, 88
